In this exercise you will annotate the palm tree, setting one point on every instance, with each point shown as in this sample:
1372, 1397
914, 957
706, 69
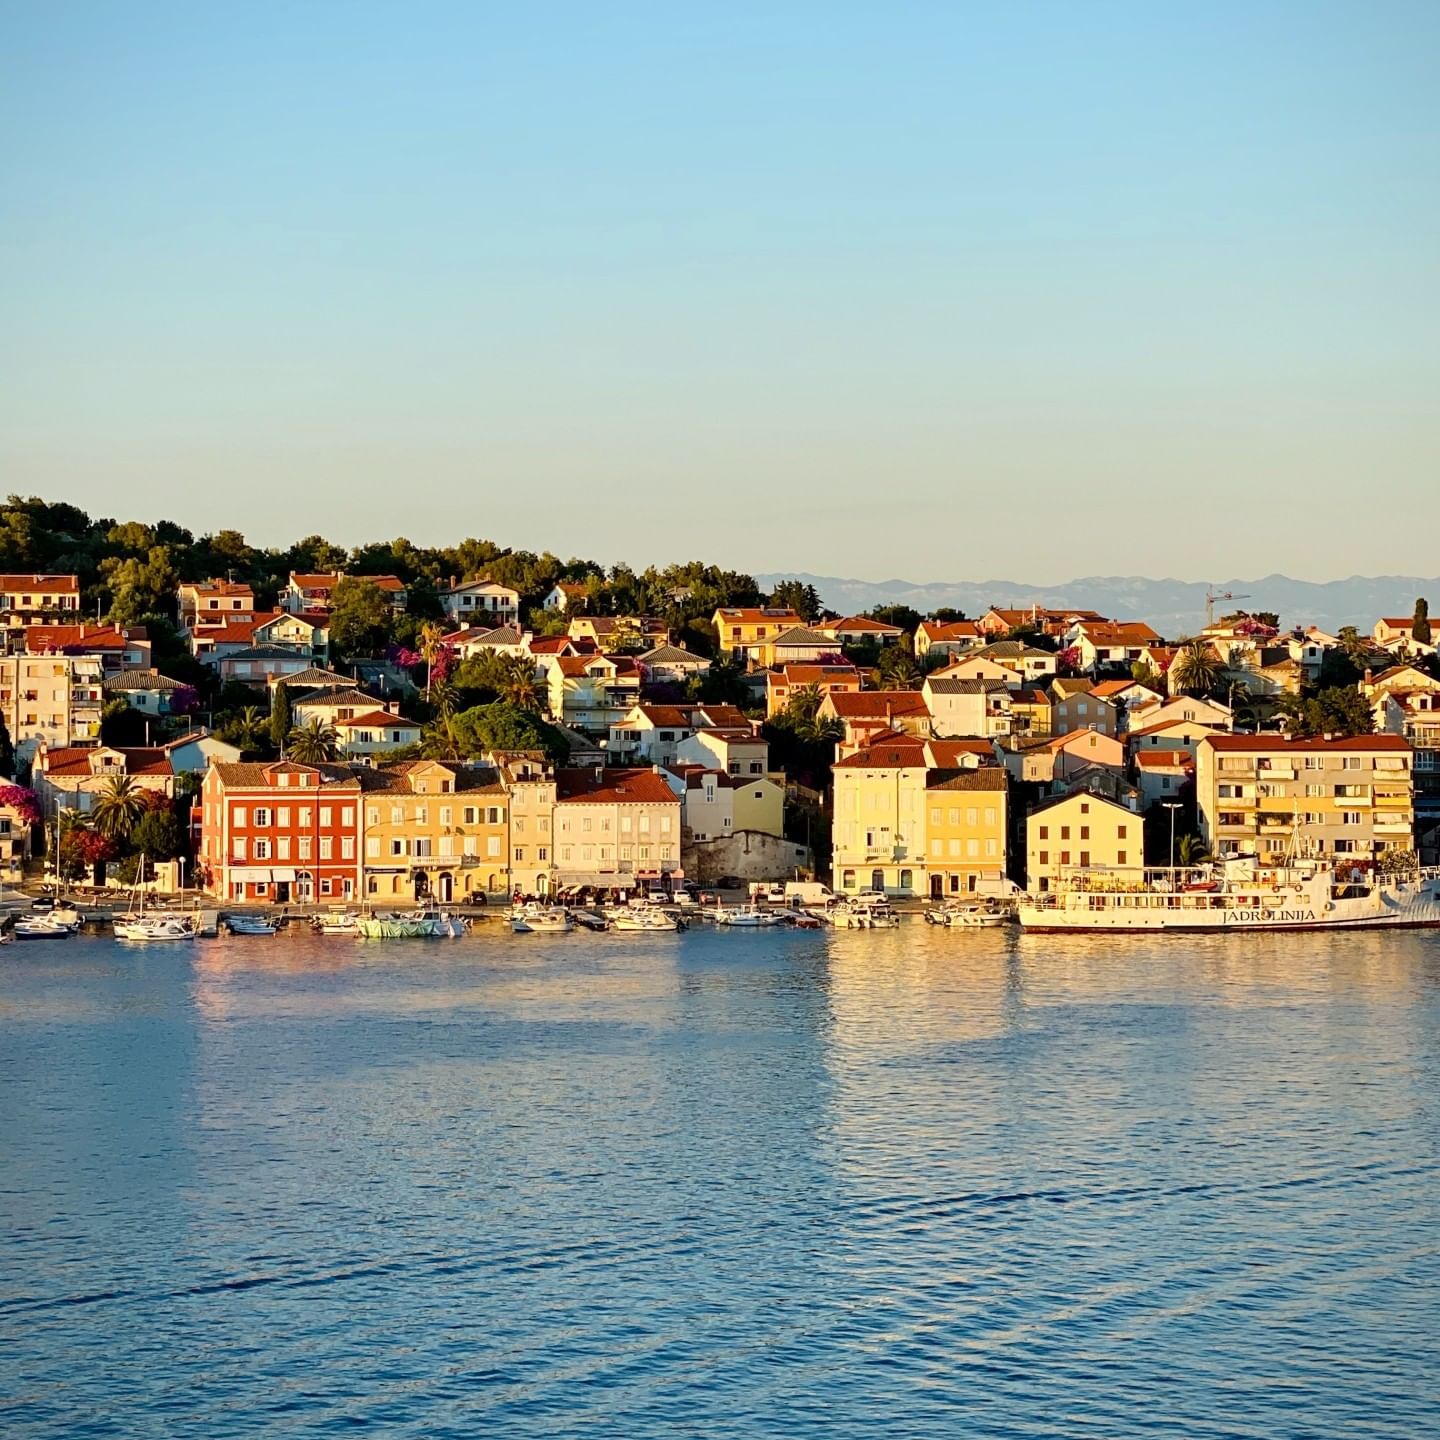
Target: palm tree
804, 703
430, 639
821, 729
438, 742
518, 685
1190, 851
1197, 668
313, 743
119, 805
898, 667
251, 727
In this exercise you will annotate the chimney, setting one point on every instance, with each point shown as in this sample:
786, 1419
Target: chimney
1369, 676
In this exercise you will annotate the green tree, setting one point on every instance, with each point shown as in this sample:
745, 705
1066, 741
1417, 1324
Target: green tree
722, 684
141, 588
7, 752
898, 667
282, 719
1197, 668
118, 807
1190, 850
1340, 710
313, 743
501, 726
802, 598
158, 836
1420, 628
360, 618
901, 615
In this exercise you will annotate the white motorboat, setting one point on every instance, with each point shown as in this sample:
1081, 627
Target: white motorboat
541, 920
153, 927
746, 917
249, 925
65, 914
337, 923
863, 917
40, 927
962, 916
643, 919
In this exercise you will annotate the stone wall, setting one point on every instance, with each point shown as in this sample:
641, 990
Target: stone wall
748, 855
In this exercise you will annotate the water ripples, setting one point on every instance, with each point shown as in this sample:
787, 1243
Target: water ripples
906, 1184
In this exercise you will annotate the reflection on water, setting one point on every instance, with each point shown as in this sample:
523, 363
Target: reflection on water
908, 1183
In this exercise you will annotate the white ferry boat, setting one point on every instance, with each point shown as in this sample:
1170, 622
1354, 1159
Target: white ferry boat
1306, 894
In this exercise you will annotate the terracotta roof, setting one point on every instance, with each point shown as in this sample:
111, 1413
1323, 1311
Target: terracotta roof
378, 717
863, 624
1055, 800
861, 704
40, 584
317, 677
675, 717
942, 630
246, 775
1262, 744
558, 644
717, 716
392, 778
811, 674
1060, 741
42, 638
1066, 688
613, 786
1164, 760
1169, 725
1118, 632
261, 652
986, 777
886, 754
217, 587
1108, 689
75, 761
1030, 697
948, 752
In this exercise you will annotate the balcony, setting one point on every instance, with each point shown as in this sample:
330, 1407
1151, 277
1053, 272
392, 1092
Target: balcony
1392, 825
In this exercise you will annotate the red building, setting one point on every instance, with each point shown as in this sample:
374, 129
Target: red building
281, 832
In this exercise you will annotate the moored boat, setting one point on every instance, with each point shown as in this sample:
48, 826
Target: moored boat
541, 920
153, 927
972, 915
249, 925
643, 918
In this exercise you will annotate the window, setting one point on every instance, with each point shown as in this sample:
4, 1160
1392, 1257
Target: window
372, 815
1064, 832
327, 847
262, 817
262, 850
397, 847
494, 815
304, 847
347, 816
282, 847
347, 847
372, 848
327, 815
1121, 831
237, 815
446, 815
422, 814
1064, 857
1084, 859
305, 814
543, 854
282, 817
1084, 832
469, 813
1044, 832
1121, 857
237, 848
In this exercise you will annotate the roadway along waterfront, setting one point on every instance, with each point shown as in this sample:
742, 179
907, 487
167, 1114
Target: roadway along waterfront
730, 1184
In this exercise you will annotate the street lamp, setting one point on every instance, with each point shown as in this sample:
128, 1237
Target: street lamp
1172, 806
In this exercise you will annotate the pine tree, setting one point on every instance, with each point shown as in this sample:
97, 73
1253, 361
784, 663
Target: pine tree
7, 752
1420, 630
281, 721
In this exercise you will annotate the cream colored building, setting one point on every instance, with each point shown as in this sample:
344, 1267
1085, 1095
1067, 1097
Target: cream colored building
530, 784
1086, 832
56, 699
1349, 798
882, 824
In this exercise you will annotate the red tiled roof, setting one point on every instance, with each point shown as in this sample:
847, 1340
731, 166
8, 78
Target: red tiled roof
812, 674
670, 716
1164, 760
611, 787
1121, 632
376, 717
943, 630
863, 704
139, 760
863, 624
752, 615
40, 638
1260, 744
574, 666
40, 584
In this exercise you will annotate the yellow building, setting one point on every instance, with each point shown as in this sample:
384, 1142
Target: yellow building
433, 830
1082, 831
882, 837
743, 630
965, 829
530, 784
1264, 795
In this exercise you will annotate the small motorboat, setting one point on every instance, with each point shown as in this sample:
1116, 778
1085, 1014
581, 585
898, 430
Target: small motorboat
589, 920
541, 920
746, 917
41, 927
64, 914
646, 918
965, 916
249, 925
864, 917
344, 922
153, 927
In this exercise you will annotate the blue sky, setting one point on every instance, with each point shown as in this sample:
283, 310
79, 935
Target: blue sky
941, 291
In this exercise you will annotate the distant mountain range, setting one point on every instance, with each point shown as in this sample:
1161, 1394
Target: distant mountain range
1174, 607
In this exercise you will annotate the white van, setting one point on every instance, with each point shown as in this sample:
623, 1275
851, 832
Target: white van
808, 892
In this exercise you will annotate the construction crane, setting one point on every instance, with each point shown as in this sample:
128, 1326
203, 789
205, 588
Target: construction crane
1211, 596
